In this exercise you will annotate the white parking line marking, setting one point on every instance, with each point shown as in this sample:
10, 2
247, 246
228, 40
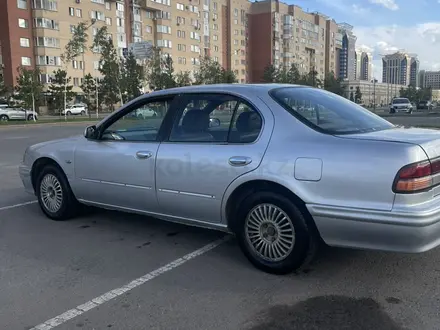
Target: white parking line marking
81, 309
3, 208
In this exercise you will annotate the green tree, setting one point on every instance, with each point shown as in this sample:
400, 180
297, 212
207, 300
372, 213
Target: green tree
183, 79
332, 84
293, 75
89, 89
211, 72
3, 87
110, 67
358, 95
351, 96
132, 78
29, 87
160, 71
59, 86
270, 74
228, 76
311, 79
75, 47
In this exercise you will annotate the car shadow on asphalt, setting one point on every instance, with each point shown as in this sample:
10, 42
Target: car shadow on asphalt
331, 312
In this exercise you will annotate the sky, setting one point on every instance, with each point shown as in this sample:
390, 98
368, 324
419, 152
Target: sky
385, 26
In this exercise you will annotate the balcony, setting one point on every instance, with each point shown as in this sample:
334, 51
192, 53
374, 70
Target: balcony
150, 5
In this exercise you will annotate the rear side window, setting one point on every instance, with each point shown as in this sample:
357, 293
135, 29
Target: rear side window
327, 112
215, 118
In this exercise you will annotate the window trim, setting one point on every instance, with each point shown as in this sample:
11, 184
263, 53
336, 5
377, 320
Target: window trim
241, 99
133, 105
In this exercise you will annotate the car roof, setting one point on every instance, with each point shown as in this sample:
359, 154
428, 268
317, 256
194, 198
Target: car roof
231, 88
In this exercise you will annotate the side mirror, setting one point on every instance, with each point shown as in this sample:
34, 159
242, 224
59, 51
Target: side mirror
214, 122
89, 132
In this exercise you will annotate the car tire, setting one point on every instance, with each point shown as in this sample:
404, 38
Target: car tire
83, 113
69, 113
4, 118
30, 117
54, 194
292, 253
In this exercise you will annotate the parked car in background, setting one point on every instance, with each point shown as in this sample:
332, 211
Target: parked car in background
401, 104
145, 112
75, 109
424, 105
280, 178
9, 113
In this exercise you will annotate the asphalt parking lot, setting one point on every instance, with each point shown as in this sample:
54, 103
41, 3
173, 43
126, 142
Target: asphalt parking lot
109, 270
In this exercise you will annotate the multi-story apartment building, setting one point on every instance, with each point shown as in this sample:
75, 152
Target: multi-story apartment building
400, 68
347, 54
363, 65
35, 32
283, 34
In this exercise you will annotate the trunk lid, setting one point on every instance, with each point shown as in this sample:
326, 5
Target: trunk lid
428, 139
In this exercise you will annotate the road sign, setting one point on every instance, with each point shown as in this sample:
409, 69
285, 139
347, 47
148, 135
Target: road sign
141, 50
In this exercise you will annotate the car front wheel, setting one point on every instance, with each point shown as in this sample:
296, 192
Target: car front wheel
273, 233
54, 194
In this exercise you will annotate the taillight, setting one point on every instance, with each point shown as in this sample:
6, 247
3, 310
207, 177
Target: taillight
417, 177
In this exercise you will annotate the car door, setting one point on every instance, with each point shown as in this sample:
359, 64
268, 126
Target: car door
197, 163
117, 168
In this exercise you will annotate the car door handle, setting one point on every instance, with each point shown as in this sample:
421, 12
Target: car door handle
144, 154
239, 161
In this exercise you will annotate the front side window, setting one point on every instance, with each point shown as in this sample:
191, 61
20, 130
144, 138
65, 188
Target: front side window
328, 112
215, 118
142, 124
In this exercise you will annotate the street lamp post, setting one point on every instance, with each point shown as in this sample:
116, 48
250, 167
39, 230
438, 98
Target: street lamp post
93, 21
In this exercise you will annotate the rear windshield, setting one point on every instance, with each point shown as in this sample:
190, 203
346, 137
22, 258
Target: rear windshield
328, 112
400, 101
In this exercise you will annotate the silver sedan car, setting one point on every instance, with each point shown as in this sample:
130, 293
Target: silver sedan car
250, 160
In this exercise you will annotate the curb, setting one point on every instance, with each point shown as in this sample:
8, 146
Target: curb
47, 124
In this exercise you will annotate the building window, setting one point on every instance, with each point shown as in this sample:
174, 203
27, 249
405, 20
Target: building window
75, 82
23, 23
79, 13
24, 42
51, 5
108, 5
163, 29
108, 21
180, 6
46, 23
49, 60
215, 37
181, 47
97, 15
26, 61
148, 29
71, 11
22, 4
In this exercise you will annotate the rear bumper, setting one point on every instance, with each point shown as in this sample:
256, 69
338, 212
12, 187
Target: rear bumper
25, 176
410, 232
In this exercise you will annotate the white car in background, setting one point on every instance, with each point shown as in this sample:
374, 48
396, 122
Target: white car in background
145, 112
401, 104
75, 109
10, 113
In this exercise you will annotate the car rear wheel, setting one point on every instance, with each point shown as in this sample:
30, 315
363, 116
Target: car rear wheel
273, 233
69, 113
4, 118
83, 113
30, 117
54, 194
